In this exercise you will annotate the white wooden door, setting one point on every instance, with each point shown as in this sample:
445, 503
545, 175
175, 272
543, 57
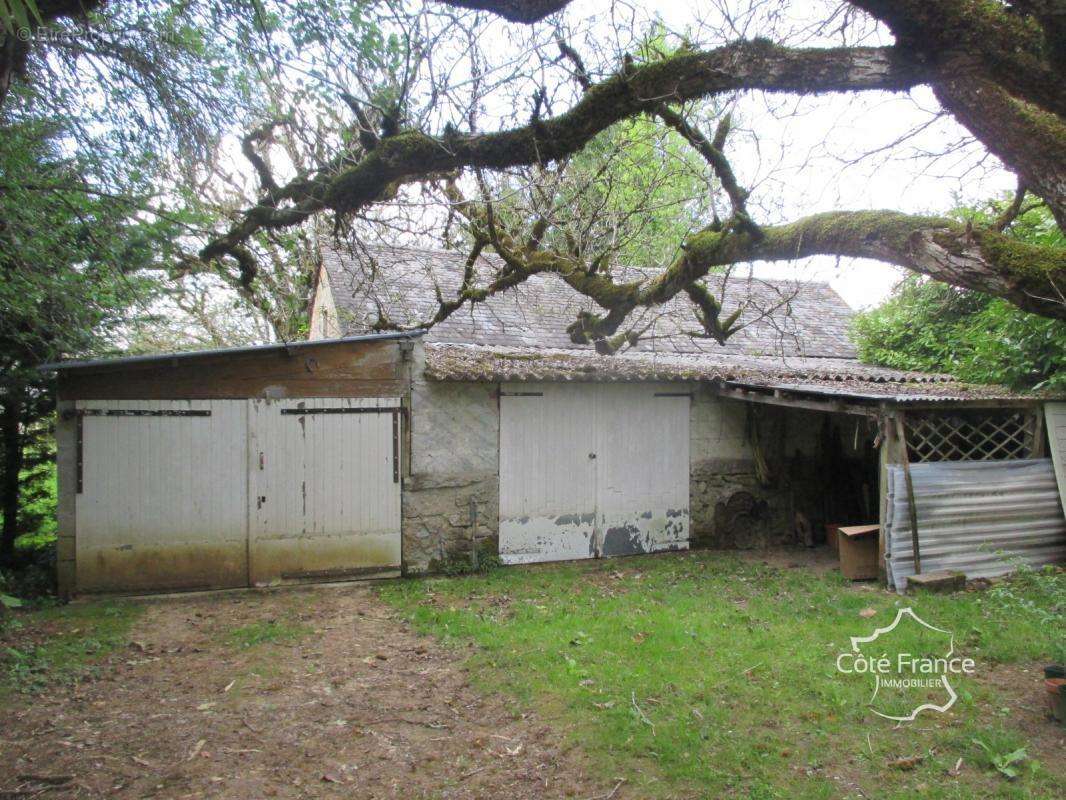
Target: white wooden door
592, 470
162, 495
547, 472
643, 468
324, 501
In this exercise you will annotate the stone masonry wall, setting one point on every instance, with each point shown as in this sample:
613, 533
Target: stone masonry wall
729, 506
452, 494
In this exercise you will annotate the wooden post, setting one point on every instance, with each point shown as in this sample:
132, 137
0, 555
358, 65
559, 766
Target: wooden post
1037, 450
901, 433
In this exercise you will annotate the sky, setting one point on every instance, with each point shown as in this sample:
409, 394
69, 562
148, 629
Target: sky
844, 152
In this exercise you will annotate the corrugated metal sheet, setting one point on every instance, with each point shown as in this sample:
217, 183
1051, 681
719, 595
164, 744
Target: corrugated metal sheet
975, 516
163, 502
592, 470
325, 491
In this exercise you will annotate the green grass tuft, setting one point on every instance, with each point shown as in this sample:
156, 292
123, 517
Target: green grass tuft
76, 638
270, 631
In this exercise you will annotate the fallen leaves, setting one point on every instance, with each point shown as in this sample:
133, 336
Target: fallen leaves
906, 763
197, 749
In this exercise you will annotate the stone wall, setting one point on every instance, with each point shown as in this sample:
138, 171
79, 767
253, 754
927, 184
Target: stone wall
728, 508
451, 496
731, 507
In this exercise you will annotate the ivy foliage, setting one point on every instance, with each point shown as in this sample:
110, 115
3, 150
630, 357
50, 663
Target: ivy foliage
930, 326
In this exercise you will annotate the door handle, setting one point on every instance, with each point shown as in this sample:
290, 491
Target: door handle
592, 455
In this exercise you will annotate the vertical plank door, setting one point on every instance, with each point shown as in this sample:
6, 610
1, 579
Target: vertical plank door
324, 499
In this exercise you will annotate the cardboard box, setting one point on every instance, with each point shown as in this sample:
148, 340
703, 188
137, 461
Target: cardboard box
858, 551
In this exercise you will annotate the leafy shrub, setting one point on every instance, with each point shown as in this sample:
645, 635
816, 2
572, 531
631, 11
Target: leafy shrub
933, 327
32, 574
462, 561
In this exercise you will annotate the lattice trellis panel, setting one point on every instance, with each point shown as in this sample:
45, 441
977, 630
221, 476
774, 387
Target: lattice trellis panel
971, 436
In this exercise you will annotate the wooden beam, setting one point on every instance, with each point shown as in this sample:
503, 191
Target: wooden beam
901, 433
780, 398
1037, 450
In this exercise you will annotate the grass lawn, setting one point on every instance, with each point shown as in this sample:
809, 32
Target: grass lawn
60, 643
708, 674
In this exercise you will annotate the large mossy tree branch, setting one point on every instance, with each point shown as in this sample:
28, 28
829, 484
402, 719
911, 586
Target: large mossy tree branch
1028, 139
634, 90
1030, 276
1016, 46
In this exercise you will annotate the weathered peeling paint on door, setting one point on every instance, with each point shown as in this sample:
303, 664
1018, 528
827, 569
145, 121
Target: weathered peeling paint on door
643, 461
162, 503
592, 470
547, 473
324, 499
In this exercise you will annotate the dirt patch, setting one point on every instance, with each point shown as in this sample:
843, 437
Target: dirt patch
1023, 699
818, 560
346, 701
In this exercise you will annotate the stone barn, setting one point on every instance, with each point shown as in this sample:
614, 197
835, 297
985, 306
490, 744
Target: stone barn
491, 434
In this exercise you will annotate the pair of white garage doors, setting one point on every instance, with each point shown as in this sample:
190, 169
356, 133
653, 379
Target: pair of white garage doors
590, 470
184, 494
215, 493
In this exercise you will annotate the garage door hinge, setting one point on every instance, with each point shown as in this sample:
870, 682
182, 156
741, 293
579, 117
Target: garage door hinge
342, 410
79, 454
396, 446
136, 412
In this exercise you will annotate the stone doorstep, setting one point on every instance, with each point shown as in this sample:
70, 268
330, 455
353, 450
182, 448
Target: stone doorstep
940, 581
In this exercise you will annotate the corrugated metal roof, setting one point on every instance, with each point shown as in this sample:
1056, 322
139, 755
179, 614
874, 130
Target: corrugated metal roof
903, 390
979, 517
220, 351
782, 317
836, 377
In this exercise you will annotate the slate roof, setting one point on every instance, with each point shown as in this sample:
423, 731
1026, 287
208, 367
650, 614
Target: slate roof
796, 339
808, 318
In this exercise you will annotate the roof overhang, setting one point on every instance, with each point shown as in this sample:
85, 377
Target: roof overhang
162, 359
824, 384
858, 400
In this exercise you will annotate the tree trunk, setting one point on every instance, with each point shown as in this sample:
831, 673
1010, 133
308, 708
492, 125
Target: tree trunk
9, 476
1029, 140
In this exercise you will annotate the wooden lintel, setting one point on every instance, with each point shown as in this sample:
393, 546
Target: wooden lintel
780, 398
